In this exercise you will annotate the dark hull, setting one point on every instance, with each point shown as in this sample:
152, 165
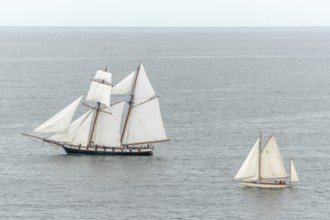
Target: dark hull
119, 153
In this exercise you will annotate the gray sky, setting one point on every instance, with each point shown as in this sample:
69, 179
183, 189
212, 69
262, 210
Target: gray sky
132, 13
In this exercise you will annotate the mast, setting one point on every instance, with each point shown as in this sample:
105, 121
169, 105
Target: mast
290, 171
259, 165
93, 127
131, 101
95, 118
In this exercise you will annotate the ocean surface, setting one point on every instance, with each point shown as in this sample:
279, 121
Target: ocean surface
218, 88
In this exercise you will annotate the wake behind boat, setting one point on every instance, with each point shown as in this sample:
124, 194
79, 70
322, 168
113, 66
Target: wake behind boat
105, 129
264, 168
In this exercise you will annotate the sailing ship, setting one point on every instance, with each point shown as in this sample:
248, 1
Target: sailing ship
264, 168
110, 128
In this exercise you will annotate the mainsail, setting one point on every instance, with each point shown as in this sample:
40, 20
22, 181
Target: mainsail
271, 165
61, 121
107, 127
143, 122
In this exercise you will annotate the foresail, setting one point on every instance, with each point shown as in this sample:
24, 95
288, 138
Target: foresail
145, 124
294, 176
107, 128
143, 89
82, 135
271, 161
73, 129
124, 86
61, 121
249, 168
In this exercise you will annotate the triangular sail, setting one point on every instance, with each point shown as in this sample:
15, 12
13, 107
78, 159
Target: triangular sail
61, 121
293, 174
271, 161
107, 127
81, 136
100, 91
73, 129
143, 89
124, 86
145, 124
249, 169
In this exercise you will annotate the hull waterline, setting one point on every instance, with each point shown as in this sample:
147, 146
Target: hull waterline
265, 185
113, 152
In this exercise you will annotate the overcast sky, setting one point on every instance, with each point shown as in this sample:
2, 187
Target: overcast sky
168, 13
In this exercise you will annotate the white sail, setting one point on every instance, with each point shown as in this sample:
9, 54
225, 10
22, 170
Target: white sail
143, 89
99, 92
73, 129
271, 161
294, 176
124, 86
145, 124
107, 128
61, 121
249, 169
103, 75
82, 135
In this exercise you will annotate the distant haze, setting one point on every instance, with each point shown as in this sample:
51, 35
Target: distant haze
165, 13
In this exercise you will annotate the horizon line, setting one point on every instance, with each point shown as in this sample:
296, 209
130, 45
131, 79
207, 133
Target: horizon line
78, 26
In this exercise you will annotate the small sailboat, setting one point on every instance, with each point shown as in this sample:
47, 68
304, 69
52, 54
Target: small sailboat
264, 168
107, 128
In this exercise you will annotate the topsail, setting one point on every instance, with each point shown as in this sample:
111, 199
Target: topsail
100, 89
124, 87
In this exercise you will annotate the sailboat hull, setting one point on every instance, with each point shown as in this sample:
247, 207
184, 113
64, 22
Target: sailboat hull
265, 185
114, 151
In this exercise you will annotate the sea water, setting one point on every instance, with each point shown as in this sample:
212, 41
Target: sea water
218, 88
